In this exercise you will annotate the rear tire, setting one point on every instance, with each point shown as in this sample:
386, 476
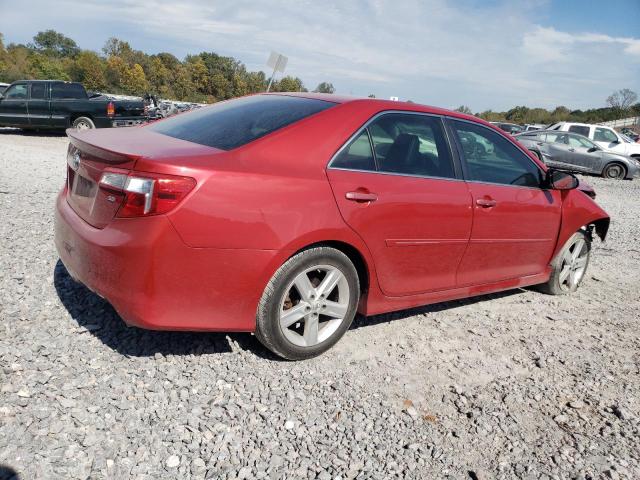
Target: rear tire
569, 266
308, 304
83, 123
615, 171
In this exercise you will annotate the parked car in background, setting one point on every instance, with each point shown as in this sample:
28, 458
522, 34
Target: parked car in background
633, 136
52, 104
533, 126
605, 137
284, 214
3, 87
575, 152
510, 128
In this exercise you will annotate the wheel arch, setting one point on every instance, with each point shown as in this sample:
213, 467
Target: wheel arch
75, 115
356, 257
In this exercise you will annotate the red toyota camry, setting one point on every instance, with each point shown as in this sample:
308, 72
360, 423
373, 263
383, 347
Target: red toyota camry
285, 214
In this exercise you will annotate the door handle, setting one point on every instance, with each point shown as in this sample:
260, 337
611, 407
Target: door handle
540, 143
361, 196
572, 149
485, 202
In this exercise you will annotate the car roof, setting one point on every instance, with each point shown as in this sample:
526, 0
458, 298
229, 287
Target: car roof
382, 104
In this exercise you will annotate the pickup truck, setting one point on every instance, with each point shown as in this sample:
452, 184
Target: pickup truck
53, 104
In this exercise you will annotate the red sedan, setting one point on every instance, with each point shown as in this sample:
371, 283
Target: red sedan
285, 214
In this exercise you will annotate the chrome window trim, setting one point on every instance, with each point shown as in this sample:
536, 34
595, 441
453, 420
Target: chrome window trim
470, 180
396, 174
373, 151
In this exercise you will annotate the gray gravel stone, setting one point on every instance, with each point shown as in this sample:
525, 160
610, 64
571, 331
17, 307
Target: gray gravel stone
513, 385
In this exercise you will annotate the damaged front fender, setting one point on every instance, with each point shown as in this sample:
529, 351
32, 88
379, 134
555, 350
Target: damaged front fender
580, 211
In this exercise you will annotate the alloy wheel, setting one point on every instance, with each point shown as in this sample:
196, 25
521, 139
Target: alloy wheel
314, 305
574, 264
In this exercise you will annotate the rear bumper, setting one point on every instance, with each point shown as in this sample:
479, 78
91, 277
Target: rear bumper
154, 280
114, 122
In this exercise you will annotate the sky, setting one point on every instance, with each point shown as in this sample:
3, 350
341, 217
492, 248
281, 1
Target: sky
490, 54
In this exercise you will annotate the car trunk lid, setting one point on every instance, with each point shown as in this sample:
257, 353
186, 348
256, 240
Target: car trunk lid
92, 153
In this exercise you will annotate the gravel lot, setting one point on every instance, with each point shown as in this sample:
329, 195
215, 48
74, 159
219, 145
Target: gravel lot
514, 385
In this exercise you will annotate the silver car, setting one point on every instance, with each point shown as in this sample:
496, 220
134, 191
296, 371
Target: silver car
570, 151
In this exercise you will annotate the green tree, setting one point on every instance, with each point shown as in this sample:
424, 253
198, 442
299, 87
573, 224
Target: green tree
55, 44
288, 84
325, 87
463, 109
89, 69
134, 80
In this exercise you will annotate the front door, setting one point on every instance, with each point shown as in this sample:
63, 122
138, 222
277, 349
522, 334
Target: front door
13, 106
515, 221
396, 186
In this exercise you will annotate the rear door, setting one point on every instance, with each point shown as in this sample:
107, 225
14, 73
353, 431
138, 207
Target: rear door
38, 108
397, 186
515, 221
13, 105
557, 144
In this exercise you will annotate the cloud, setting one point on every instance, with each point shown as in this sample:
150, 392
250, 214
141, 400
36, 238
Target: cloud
482, 54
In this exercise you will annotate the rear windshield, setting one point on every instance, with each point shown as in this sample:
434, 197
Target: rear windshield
234, 123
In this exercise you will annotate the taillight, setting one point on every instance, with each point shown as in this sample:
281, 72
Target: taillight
111, 109
150, 194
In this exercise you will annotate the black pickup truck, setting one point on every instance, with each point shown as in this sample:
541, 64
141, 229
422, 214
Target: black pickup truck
52, 104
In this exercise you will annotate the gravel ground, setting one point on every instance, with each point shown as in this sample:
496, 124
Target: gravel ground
514, 385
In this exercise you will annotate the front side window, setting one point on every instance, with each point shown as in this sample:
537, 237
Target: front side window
67, 91
231, 124
16, 92
493, 159
411, 144
579, 129
38, 91
604, 135
580, 142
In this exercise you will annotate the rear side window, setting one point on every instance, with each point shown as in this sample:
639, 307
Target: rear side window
234, 123
357, 155
38, 91
411, 144
579, 129
67, 91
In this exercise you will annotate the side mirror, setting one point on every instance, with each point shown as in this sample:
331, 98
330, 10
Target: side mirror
593, 149
558, 180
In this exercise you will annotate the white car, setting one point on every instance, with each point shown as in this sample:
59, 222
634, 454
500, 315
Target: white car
605, 137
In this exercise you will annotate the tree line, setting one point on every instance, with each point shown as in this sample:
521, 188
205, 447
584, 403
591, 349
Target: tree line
622, 103
205, 77
208, 77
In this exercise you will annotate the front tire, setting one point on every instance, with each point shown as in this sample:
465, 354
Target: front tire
569, 266
83, 123
308, 304
615, 171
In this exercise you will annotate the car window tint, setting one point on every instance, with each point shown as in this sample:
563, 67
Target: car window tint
492, 158
16, 92
604, 135
357, 155
38, 91
411, 144
231, 124
67, 91
579, 129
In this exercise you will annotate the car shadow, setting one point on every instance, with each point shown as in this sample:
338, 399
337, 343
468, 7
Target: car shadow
8, 473
362, 321
99, 318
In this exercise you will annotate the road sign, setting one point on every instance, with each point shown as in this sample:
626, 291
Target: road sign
278, 62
